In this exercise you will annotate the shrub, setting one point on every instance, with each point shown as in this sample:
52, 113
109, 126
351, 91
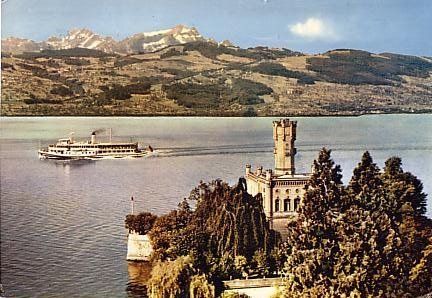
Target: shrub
140, 223
61, 90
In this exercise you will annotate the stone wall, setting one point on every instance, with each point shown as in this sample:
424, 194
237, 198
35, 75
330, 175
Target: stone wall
255, 288
139, 247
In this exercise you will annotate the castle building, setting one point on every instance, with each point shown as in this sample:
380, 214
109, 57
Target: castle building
282, 189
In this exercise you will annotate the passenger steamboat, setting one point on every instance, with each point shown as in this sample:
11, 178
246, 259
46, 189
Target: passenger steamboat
69, 149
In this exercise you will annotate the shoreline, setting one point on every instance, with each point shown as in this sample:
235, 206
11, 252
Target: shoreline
216, 115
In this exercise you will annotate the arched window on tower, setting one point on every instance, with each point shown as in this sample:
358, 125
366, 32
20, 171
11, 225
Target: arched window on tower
286, 204
296, 203
277, 205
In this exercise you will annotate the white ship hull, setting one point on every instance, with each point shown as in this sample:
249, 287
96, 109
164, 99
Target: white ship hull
44, 154
68, 149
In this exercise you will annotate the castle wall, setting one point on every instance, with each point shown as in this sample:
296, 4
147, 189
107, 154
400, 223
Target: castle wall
139, 247
287, 195
288, 190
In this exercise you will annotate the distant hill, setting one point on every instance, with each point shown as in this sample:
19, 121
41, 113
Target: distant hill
203, 77
359, 67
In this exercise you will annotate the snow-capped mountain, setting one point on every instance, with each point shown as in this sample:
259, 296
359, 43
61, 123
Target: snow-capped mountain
81, 38
84, 38
156, 40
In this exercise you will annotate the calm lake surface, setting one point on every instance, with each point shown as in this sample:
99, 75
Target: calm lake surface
62, 230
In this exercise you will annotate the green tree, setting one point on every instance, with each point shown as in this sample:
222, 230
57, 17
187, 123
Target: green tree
403, 187
200, 287
312, 239
261, 263
241, 266
366, 244
171, 278
324, 188
140, 223
421, 273
226, 221
226, 224
168, 235
368, 261
367, 236
235, 221
365, 186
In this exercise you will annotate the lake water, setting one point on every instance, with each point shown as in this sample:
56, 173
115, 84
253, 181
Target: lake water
62, 230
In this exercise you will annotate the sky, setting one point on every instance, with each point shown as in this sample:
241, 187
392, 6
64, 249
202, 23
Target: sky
309, 26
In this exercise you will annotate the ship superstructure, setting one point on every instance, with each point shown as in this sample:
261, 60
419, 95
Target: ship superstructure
68, 148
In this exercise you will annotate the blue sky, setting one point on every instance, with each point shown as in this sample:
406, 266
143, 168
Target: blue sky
310, 26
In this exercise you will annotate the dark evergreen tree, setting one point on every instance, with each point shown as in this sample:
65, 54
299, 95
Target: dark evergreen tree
421, 273
365, 185
312, 236
404, 188
324, 188
365, 241
369, 239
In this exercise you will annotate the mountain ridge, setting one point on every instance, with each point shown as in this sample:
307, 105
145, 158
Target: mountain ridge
203, 77
141, 42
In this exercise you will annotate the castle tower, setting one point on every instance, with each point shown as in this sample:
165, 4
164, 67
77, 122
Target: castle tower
284, 135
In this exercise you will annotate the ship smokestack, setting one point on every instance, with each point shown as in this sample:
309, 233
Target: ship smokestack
93, 137
71, 138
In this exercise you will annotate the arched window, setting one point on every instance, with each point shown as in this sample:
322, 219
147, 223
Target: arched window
286, 204
296, 203
277, 205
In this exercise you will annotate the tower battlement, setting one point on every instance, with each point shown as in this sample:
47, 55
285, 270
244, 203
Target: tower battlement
284, 122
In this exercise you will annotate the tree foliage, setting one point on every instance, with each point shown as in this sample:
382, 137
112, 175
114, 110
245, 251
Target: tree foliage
276, 69
226, 235
170, 235
140, 223
368, 239
234, 220
403, 188
200, 287
61, 90
226, 221
356, 67
178, 279
217, 94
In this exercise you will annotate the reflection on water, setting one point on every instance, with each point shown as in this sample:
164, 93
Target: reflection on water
139, 274
67, 164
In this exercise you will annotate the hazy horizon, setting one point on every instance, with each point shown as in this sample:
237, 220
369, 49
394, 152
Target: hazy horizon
306, 26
